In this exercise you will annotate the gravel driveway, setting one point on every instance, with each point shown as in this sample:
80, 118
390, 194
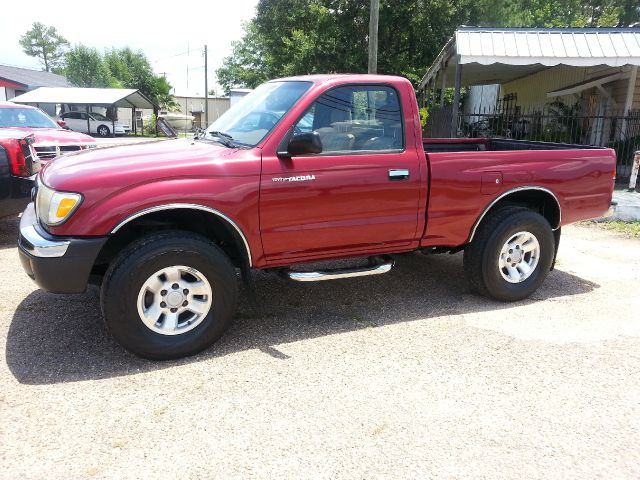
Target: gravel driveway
405, 375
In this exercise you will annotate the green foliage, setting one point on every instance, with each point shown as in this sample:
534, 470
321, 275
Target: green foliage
245, 66
132, 69
117, 68
629, 229
84, 67
296, 37
161, 92
565, 124
424, 116
149, 126
46, 44
578, 13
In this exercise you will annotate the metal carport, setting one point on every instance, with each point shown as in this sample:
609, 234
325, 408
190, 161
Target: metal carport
483, 56
100, 97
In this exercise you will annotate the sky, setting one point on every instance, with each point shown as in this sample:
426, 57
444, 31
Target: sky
165, 32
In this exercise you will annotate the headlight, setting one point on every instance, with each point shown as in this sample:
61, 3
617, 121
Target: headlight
53, 207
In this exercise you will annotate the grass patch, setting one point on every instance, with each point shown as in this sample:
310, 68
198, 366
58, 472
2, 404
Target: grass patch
630, 229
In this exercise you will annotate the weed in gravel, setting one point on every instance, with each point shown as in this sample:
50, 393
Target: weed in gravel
630, 229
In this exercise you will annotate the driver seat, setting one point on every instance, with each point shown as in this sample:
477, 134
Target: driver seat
336, 138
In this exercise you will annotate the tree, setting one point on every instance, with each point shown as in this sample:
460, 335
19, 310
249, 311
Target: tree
292, 37
579, 13
245, 66
161, 94
84, 67
46, 44
132, 69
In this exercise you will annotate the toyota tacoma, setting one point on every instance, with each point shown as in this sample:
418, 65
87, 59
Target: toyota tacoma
302, 170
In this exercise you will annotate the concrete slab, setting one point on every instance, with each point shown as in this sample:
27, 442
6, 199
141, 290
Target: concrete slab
628, 208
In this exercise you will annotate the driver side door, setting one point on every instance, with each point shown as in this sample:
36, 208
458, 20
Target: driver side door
361, 192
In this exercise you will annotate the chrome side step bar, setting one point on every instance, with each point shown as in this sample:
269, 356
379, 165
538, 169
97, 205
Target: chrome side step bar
373, 269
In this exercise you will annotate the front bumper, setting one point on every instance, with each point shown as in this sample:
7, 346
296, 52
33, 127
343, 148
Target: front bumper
56, 264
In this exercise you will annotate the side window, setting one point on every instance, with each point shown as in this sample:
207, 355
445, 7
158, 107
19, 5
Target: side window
72, 115
356, 118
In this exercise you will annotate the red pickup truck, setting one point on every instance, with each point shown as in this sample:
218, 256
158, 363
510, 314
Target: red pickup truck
302, 170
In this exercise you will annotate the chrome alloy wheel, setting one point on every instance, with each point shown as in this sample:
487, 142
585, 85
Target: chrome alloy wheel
174, 300
519, 257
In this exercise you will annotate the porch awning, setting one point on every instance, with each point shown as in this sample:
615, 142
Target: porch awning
118, 97
587, 84
491, 55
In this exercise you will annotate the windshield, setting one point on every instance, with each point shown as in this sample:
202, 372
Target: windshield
255, 115
25, 117
98, 116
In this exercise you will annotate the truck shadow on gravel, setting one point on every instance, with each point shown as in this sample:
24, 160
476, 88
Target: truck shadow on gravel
55, 339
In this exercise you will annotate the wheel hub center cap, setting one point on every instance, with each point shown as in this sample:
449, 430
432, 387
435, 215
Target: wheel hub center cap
174, 299
516, 256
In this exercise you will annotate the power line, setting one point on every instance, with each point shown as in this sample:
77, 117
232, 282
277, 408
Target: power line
176, 55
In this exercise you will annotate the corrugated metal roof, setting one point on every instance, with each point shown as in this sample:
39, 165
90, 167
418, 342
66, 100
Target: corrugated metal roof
549, 47
33, 78
515, 52
120, 97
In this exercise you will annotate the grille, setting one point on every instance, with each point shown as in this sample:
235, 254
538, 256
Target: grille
47, 153
69, 148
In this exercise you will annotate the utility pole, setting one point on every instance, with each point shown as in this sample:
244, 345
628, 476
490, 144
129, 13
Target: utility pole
373, 36
206, 90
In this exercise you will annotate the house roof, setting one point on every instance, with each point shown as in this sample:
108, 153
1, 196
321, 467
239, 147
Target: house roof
29, 78
119, 97
516, 52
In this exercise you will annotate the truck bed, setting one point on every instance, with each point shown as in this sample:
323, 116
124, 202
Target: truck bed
495, 144
468, 174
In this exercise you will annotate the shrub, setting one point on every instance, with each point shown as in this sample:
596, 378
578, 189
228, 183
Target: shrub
149, 127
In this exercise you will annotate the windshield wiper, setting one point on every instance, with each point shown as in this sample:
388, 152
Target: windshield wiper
220, 134
223, 138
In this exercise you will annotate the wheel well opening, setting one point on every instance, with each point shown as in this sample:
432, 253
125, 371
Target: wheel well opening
539, 201
201, 222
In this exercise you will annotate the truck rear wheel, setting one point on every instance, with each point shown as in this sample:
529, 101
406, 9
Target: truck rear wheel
511, 254
169, 295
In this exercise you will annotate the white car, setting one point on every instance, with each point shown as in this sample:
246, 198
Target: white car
98, 123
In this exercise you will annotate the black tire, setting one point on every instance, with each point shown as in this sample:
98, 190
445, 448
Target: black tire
136, 263
103, 131
481, 256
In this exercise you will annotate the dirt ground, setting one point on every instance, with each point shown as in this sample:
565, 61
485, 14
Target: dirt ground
404, 375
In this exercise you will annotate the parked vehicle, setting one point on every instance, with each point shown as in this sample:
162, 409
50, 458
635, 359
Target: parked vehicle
162, 227
18, 166
178, 120
51, 139
98, 124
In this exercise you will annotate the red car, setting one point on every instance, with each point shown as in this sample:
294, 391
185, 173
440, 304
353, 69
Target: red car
51, 139
18, 166
342, 173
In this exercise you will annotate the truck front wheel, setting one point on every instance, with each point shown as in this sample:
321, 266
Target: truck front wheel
511, 254
169, 295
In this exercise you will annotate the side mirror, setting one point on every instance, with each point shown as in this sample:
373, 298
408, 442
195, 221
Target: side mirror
304, 144
62, 123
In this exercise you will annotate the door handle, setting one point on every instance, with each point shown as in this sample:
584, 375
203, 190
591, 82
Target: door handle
398, 174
